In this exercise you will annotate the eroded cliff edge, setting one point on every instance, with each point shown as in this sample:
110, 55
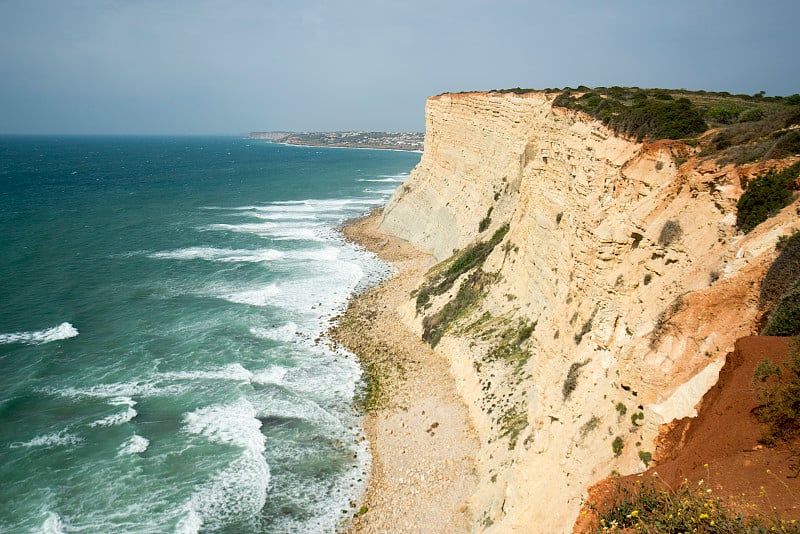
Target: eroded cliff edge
627, 267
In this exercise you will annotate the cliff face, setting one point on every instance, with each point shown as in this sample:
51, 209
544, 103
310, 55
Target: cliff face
629, 266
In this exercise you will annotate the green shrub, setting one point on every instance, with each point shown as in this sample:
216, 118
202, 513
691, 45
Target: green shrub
785, 318
621, 408
638, 416
751, 115
632, 112
571, 382
764, 370
486, 221
784, 272
617, 445
646, 457
764, 197
670, 232
724, 114
780, 412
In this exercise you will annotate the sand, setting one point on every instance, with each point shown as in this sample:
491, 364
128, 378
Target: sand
422, 442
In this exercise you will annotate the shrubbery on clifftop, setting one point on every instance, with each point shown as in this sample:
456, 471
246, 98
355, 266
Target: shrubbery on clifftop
765, 196
641, 114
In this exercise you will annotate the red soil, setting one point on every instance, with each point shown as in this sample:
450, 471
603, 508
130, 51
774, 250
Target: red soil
721, 446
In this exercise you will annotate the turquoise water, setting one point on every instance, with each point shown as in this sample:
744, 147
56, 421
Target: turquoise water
162, 315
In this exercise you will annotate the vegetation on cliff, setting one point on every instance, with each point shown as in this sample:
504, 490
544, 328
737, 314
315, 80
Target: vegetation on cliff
443, 277
778, 387
780, 290
638, 113
652, 507
765, 196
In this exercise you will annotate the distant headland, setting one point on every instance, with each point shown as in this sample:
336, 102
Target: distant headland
383, 140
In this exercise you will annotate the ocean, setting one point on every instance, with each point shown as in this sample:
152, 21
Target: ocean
163, 309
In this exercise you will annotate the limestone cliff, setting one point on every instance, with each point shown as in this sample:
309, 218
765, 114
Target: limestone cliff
629, 265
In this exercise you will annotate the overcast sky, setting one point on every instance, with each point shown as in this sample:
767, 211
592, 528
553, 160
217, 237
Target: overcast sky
229, 67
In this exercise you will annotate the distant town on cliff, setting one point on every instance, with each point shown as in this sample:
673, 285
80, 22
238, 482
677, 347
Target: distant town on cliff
383, 140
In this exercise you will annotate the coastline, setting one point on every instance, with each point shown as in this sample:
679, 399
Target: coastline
352, 147
420, 437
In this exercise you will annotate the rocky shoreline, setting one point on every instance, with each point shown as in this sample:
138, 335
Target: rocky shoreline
422, 443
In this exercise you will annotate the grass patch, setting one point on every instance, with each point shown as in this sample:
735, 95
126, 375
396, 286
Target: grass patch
647, 507
571, 382
469, 294
589, 426
509, 349
765, 196
512, 424
586, 328
470, 258
486, 221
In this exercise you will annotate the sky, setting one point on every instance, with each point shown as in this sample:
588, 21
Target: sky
235, 66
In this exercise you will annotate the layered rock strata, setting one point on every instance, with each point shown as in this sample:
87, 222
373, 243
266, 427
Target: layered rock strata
628, 264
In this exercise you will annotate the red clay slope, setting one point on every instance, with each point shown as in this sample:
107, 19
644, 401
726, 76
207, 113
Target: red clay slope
721, 446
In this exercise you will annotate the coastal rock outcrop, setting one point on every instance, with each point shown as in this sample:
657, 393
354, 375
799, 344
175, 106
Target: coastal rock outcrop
606, 309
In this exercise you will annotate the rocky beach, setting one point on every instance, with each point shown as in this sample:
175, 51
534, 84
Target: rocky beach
422, 443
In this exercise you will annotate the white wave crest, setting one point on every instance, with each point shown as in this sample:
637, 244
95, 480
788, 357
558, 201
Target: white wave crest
190, 523
220, 254
62, 331
227, 423
380, 191
286, 332
123, 389
255, 297
388, 179
233, 371
273, 375
116, 419
136, 444
275, 231
55, 439
53, 524
240, 490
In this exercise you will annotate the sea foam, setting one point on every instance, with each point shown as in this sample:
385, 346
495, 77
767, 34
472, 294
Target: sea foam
239, 491
223, 255
52, 524
62, 331
54, 439
136, 444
